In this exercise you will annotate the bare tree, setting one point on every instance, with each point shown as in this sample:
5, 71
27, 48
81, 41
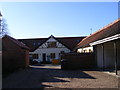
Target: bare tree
3, 26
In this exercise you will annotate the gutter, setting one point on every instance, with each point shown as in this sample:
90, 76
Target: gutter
117, 36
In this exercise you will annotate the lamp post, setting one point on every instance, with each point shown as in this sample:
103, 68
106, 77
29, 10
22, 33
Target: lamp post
0, 22
0, 55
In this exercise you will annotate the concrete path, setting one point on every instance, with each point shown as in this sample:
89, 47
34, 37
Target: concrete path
50, 76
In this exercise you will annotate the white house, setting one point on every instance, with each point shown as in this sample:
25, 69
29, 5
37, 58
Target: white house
83, 46
49, 50
46, 49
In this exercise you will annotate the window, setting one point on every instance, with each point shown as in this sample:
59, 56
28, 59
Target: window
52, 55
90, 50
78, 40
85, 51
51, 44
38, 43
34, 43
62, 52
35, 56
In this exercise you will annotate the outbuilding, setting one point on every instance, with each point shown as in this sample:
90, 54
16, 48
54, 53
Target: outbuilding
15, 54
106, 46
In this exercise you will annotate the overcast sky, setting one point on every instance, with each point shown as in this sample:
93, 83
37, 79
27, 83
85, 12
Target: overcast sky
61, 19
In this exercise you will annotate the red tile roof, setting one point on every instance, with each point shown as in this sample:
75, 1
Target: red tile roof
107, 31
22, 45
69, 42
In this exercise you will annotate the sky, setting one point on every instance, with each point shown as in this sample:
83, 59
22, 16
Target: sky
61, 19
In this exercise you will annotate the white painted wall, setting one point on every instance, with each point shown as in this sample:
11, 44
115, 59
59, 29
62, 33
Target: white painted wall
81, 50
99, 56
109, 54
48, 51
109, 60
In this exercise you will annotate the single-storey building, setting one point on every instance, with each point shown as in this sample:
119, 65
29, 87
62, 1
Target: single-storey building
14, 54
106, 46
47, 49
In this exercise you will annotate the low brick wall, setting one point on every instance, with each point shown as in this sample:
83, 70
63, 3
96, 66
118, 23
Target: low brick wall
13, 60
78, 61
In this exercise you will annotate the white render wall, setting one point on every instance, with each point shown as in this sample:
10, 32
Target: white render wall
109, 54
109, 59
99, 56
81, 50
48, 51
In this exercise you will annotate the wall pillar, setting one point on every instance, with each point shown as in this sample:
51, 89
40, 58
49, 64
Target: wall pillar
95, 54
103, 57
115, 56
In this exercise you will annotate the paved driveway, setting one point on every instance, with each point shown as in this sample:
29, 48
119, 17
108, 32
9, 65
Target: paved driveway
53, 77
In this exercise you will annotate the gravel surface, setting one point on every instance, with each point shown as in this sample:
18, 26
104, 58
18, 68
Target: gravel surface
49, 76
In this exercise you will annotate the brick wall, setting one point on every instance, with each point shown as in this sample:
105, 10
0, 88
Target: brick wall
78, 60
13, 56
13, 60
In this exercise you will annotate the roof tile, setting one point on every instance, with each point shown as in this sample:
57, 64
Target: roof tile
69, 42
107, 31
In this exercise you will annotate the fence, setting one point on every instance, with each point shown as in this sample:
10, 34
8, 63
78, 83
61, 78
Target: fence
78, 61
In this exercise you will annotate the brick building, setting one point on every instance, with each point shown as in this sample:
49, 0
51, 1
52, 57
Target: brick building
15, 54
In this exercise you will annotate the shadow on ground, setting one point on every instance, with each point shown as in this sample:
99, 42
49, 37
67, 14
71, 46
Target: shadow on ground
34, 77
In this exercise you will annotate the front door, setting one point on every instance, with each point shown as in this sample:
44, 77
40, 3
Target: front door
44, 57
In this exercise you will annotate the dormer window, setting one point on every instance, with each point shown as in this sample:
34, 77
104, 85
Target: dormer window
78, 40
34, 43
38, 43
51, 44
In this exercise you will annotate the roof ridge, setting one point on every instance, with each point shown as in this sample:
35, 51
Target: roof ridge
31, 38
48, 37
107, 26
101, 29
13, 39
72, 37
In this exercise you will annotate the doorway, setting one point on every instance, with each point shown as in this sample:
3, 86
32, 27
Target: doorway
44, 57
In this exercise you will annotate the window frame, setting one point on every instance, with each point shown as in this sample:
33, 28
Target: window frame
51, 44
